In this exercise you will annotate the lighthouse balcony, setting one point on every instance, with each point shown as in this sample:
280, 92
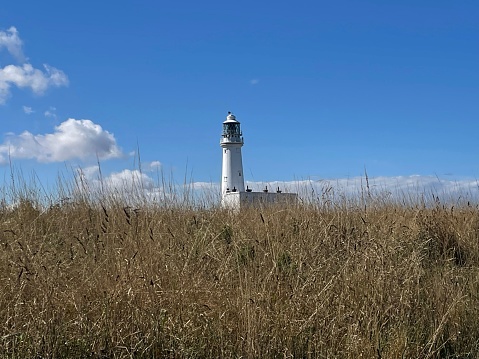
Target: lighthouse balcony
235, 139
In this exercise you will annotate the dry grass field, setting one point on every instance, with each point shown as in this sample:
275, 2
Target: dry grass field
375, 279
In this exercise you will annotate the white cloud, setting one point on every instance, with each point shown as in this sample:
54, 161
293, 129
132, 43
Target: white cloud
72, 139
12, 42
129, 179
125, 179
206, 186
51, 112
28, 110
151, 166
133, 186
25, 75
90, 173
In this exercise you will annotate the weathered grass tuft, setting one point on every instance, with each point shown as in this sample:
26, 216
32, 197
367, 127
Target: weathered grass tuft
97, 277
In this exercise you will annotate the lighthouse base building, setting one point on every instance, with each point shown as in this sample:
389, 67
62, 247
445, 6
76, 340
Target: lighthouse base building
238, 200
233, 193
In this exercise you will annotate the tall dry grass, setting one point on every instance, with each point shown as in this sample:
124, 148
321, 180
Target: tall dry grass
103, 279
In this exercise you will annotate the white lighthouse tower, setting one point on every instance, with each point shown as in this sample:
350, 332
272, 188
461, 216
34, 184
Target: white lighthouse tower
231, 142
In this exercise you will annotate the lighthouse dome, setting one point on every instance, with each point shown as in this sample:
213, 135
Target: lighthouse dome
231, 118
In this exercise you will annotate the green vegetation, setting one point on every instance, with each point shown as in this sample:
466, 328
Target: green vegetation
102, 279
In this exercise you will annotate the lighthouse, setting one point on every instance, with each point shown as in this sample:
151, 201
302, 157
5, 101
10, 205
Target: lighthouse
231, 142
233, 194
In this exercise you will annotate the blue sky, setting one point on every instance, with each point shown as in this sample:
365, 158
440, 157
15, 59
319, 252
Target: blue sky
323, 89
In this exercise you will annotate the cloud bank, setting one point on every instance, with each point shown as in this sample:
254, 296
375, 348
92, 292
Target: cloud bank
72, 139
411, 189
135, 185
25, 75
